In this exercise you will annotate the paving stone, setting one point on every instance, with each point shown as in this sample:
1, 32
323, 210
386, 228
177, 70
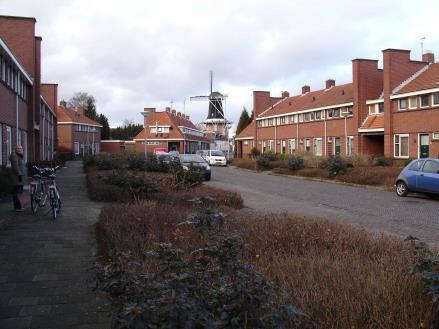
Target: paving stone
47, 267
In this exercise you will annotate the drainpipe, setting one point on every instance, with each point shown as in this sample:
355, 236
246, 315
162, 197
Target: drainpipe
345, 135
326, 139
16, 116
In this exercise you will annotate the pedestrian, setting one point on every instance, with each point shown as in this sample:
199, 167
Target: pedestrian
19, 175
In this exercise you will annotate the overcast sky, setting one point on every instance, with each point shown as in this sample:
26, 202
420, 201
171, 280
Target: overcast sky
134, 54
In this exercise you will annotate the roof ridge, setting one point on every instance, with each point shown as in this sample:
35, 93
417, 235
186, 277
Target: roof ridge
410, 79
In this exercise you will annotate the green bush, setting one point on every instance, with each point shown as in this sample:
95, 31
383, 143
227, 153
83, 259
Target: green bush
334, 165
255, 152
6, 181
295, 162
383, 162
283, 156
139, 186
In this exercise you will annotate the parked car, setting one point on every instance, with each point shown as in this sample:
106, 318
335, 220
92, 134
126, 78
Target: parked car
197, 162
165, 157
420, 176
158, 150
214, 157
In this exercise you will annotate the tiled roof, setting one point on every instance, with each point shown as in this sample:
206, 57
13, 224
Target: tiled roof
69, 115
248, 131
168, 119
316, 99
373, 122
427, 80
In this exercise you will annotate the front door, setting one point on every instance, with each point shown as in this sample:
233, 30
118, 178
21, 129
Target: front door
336, 145
424, 146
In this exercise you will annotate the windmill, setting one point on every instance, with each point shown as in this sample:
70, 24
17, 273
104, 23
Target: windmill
215, 122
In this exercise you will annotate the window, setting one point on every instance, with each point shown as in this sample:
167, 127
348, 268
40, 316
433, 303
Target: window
97, 145
431, 167
264, 146
380, 107
417, 165
8, 144
318, 146
401, 146
282, 120
376, 108
436, 135
424, 100
271, 145
306, 117
349, 145
336, 113
318, 115
413, 102
403, 104
436, 99
291, 146
300, 117
76, 147
307, 145
350, 109
270, 122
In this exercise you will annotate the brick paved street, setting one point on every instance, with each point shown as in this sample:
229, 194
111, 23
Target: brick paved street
369, 208
46, 267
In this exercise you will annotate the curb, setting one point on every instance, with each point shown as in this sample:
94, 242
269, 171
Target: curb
321, 180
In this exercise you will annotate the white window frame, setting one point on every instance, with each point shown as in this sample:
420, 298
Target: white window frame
420, 102
435, 135
8, 145
76, 148
291, 146
432, 99
399, 136
316, 151
410, 102
406, 104
349, 145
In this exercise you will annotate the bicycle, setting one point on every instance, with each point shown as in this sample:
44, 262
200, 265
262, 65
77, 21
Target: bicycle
44, 186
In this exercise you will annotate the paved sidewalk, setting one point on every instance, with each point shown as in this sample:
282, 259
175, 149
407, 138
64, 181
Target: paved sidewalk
46, 267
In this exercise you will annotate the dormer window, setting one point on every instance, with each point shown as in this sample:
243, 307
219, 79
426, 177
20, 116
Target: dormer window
413, 102
436, 99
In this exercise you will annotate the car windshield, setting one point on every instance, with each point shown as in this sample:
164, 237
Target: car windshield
165, 157
191, 158
217, 153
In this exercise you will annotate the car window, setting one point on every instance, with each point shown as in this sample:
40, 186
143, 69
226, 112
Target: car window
217, 153
191, 158
416, 166
431, 167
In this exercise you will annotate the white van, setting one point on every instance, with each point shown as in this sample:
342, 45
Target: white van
214, 157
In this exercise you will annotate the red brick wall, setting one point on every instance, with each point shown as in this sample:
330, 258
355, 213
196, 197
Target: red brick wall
397, 68
112, 147
18, 33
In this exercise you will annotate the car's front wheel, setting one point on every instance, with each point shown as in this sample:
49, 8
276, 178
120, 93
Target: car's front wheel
401, 189
207, 177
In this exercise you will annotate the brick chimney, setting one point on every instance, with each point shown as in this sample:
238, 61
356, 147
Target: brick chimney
187, 117
285, 94
168, 109
149, 109
428, 57
179, 114
174, 112
330, 83
80, 111
306, 89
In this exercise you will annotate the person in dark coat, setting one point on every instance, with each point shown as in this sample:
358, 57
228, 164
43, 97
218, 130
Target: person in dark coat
19, 171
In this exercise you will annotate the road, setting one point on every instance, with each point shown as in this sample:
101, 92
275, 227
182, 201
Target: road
369, 208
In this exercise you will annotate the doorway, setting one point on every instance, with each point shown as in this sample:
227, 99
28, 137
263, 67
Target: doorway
424, 146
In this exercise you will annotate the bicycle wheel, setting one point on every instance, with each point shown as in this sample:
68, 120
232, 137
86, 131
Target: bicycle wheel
34, 203
54, 206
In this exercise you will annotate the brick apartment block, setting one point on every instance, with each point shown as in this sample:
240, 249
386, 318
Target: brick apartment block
392, 112
77, 133
169, 130
27, 106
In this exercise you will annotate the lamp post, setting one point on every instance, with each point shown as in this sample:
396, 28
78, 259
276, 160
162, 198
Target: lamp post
145, 126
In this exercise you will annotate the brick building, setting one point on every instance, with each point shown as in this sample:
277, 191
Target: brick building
27, 115
392, 112
78, 133
172, 131
169, 130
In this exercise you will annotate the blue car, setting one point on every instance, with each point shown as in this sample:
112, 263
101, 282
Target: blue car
420, 176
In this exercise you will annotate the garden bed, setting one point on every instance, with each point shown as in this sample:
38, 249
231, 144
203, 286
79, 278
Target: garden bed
188, 255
